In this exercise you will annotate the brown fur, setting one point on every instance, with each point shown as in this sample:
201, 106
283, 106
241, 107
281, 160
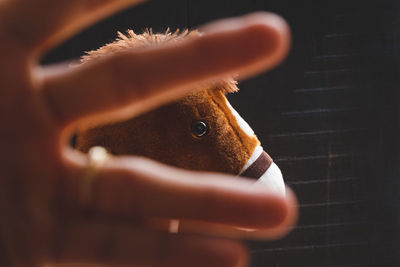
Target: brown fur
165, 134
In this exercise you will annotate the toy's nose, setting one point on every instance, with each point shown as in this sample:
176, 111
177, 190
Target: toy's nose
260, 166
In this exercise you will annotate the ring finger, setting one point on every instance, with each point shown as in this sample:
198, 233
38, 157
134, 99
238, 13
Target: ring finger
116, 243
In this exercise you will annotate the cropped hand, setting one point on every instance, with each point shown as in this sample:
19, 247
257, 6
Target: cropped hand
42, 216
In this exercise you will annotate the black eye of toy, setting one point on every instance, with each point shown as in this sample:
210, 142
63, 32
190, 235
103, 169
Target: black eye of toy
199, 128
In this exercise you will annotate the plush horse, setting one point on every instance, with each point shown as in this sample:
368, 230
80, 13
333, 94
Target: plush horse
200, 131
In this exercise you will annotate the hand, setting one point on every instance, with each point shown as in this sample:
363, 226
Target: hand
42, 216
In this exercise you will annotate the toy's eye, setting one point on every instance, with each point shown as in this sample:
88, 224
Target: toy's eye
199, 128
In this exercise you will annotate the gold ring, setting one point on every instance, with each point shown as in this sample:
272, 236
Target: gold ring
173, 227
97, 156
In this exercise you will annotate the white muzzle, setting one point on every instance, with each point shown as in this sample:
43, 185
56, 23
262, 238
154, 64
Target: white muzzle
260, 166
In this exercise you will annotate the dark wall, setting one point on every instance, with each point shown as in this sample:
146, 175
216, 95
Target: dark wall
329, 115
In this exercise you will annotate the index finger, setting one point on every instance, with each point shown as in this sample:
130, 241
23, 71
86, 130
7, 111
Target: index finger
138, 80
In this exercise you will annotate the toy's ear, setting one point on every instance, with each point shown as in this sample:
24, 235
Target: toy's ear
227, 86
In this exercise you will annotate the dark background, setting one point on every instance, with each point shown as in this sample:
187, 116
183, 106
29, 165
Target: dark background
329, 117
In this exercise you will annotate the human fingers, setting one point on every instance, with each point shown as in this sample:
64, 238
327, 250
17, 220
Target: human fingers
115, 243
227, 231
39, 24
277, 26
133, 187
137, 80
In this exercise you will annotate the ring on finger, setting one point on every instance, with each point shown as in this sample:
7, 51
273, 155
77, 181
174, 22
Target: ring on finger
97, 156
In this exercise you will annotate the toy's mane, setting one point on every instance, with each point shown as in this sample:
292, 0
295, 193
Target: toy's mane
147, 39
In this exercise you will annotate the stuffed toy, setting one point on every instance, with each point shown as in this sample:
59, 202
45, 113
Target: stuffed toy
200, 131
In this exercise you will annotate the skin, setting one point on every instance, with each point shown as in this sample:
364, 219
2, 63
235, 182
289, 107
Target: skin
42, 216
